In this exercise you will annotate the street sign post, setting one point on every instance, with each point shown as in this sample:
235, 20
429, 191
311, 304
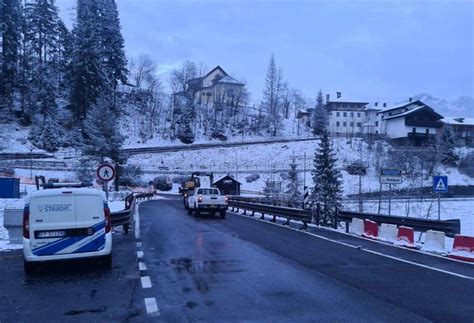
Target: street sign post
440, 186
106, 173
390, 176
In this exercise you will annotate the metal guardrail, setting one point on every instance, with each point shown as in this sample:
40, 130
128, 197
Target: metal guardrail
124, 217
449, 227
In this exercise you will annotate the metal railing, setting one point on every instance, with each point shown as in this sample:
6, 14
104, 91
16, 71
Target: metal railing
314, 214
125, 217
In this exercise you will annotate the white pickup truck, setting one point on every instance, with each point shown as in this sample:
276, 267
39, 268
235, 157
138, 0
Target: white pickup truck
206, 199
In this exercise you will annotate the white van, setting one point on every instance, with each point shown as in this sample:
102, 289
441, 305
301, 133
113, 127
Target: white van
66, 223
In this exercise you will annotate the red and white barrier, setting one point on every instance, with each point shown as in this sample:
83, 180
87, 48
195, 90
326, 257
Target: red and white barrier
356, 227
463, 248
405, 237
388, 232
371, 229
434, 242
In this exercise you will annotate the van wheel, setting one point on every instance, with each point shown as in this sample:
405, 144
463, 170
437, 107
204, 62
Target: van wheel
107, 261
30, 268
189, 211
197, 213
223, 214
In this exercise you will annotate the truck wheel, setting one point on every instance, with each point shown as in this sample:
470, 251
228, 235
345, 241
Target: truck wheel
29, 267
186, 207
125, 228
223, 214
197, 213
189, 211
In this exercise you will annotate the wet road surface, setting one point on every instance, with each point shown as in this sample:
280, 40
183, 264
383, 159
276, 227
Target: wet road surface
236, 269
240, 269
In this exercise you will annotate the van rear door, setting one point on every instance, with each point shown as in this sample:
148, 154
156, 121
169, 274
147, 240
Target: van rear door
52, 223
90, 222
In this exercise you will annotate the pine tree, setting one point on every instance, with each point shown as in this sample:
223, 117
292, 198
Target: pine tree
112, 44
185, 132
446, 147
86, 74
320, 117
327, 179
292, 187
10, 23
272, 96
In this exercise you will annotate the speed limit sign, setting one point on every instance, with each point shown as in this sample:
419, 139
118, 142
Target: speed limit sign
106, 172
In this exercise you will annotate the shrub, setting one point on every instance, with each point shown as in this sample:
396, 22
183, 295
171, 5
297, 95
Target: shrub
252, 178
466, 164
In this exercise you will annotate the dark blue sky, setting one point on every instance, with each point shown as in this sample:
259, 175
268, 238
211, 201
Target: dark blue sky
372, 50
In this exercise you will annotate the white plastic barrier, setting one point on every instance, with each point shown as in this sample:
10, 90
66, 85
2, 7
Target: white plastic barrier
388, 232
13, 217
357, 226
434, 242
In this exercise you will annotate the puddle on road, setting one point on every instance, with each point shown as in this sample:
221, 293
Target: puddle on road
203, 271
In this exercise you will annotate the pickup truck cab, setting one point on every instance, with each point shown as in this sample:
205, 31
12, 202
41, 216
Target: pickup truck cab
206, 199
66, 223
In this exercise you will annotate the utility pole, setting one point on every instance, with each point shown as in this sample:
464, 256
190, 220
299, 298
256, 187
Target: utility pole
361, 207
304, 170
389, 199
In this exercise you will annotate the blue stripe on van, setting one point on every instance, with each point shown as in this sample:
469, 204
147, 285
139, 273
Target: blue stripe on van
95, 245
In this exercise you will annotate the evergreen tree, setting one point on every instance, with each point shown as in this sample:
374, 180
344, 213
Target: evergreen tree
272, 96
86, 73
320, 117
10, 23
292, 187
112, 44
185, 132
327, 179
446, 147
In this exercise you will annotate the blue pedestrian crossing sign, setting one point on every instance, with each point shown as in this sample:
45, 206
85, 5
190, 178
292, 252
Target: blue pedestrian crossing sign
440, 184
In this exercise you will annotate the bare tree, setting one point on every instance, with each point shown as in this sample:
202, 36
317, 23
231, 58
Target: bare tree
142, 69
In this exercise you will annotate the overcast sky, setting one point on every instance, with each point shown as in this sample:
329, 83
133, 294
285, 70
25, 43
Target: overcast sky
370, 50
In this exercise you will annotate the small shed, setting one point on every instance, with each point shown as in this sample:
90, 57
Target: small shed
228, 185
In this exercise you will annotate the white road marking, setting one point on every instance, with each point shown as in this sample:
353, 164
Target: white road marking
137, 222
366, 250
139, 244
140, 254
151, 307
146, 282
142, 266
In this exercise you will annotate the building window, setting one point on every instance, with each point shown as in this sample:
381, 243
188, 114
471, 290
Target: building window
359, 124
427, 131
352, 114
352, 124
358, 114
344, 114
337, 123
414, 130
344, 123
376, 123
337, 114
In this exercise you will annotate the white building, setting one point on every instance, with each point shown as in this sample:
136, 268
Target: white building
346, 117
412, 120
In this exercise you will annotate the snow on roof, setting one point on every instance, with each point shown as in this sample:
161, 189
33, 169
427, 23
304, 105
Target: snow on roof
346, 100
406, 112
402, 105
458, 121
228, 79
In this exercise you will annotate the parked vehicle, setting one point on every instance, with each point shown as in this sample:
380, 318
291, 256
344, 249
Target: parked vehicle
206, 199
66, 223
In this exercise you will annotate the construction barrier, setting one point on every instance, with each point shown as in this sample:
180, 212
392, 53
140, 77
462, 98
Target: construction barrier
434, 242
405, 237
357, 226
463, 248
371, 229
388, 232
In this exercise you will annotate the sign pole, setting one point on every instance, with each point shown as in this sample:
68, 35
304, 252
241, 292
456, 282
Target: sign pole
439, 206
389, 199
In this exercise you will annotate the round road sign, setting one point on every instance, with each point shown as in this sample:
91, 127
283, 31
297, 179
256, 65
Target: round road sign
106, 172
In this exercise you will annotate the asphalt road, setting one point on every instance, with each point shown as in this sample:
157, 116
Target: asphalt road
237, 269
241, 269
